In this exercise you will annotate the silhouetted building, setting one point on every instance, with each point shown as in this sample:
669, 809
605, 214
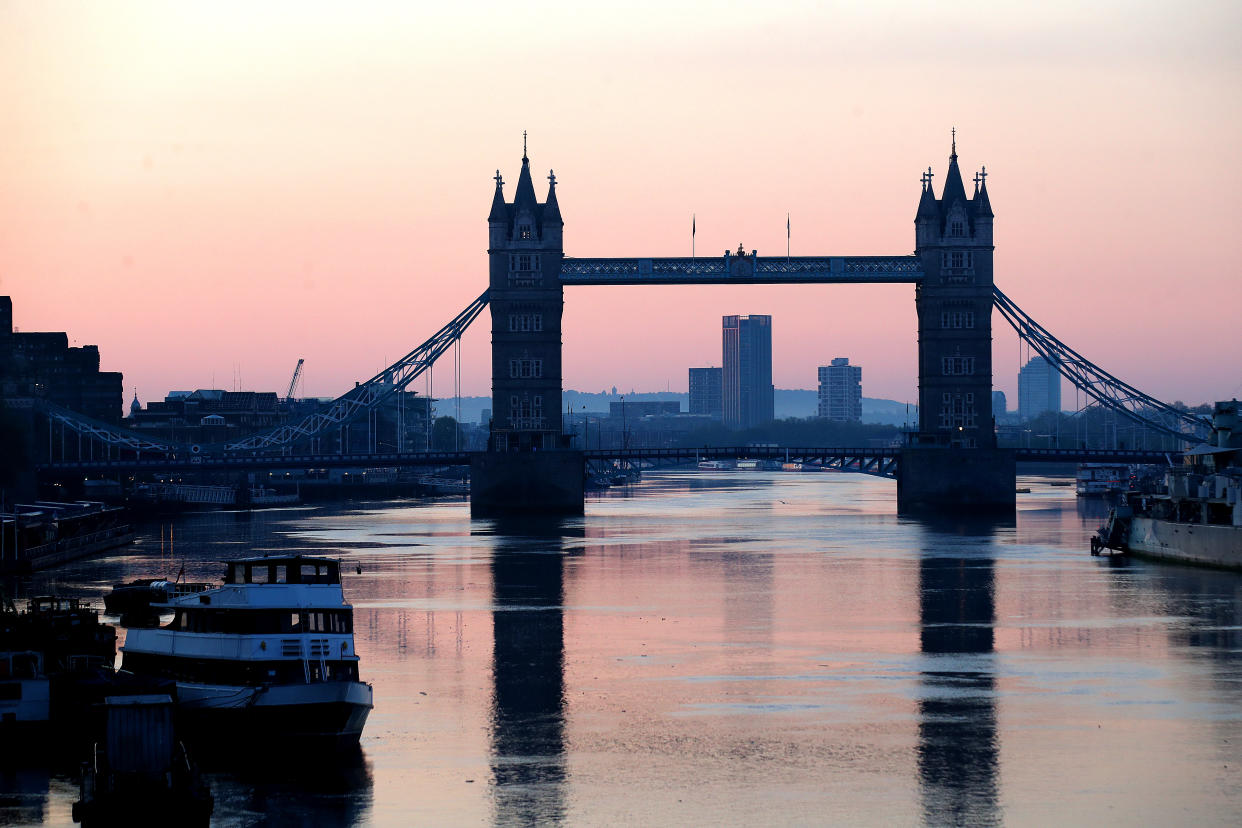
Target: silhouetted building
999, 404
953, 240
1039, 388
840, 391
209, 415
43, 366
645, 408
705, 392
746, 393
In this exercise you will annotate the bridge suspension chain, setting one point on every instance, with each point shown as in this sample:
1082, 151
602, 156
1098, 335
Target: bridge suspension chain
370, 394
1101, 386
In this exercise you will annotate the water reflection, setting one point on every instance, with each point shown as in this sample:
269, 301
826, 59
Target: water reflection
323, 789
958, 745
23, 789
528, 672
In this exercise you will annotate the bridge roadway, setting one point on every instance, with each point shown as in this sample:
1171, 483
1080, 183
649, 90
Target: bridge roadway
878, 461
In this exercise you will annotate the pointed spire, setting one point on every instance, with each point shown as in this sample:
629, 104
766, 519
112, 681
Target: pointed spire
499, 211
551, 209
981, 203
954, 190
525, 195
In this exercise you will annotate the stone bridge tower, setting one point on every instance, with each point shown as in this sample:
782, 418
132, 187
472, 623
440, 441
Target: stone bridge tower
524, 253
528, 468
953, 238
952, 463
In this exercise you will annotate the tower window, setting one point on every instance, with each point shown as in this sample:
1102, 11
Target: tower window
957, 366
525, 322
956, 228
524, 232
525, 368
957, 319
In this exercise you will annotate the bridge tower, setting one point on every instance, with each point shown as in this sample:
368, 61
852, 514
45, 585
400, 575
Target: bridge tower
528, 468
952, 460
524, 254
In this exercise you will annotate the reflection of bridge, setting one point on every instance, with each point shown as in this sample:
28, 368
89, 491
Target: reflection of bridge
951, 271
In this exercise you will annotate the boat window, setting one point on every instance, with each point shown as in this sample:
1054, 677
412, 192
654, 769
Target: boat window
259, 574
282, 576
310, 574
235, 574
295, 623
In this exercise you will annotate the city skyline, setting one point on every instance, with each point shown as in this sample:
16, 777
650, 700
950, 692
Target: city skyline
202, 192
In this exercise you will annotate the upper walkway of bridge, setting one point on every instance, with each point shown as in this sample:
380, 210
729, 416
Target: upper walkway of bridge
748, 269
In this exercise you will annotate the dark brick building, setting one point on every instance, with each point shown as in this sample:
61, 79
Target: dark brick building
43, 366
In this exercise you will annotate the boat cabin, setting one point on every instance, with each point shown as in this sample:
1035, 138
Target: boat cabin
292, 570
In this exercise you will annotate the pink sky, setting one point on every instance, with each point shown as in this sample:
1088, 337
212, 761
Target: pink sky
207, 189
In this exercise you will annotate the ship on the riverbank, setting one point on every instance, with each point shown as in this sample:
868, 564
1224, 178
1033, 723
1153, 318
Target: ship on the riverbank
1196, 515
42, 534
267, 655
1101, 479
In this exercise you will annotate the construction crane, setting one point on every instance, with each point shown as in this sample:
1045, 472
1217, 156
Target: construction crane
293, 383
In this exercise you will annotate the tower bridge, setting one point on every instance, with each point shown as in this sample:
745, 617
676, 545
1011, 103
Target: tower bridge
951, 460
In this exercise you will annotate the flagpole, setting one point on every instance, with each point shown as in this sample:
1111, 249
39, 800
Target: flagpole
692, 230
787, 235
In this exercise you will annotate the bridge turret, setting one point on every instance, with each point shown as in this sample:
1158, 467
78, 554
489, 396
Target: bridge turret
953, 237
525, 254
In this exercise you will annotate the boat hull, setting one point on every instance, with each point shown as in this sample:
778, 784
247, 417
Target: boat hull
1194, 543
329, 713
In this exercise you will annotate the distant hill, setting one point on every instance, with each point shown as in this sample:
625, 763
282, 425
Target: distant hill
789, 402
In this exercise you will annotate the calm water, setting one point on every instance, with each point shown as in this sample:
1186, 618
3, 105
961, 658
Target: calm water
739, 648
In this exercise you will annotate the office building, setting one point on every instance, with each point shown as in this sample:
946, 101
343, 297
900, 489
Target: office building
840, 391
999, 404
705, 384
1039, 388
746, 394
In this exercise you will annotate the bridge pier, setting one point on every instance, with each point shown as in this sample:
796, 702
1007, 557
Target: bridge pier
955, 480
506, 483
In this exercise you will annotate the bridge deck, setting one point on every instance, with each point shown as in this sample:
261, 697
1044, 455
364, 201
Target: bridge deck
881, 461
743, 270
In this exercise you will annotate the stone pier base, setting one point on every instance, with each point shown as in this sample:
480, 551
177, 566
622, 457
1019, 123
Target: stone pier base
526, 483
947, 480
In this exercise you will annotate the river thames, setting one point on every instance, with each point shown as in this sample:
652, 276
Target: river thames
740, 648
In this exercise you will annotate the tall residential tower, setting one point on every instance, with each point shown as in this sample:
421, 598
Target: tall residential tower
840, 391
746, 381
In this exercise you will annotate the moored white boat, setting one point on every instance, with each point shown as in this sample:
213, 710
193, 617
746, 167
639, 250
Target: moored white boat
269, 654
